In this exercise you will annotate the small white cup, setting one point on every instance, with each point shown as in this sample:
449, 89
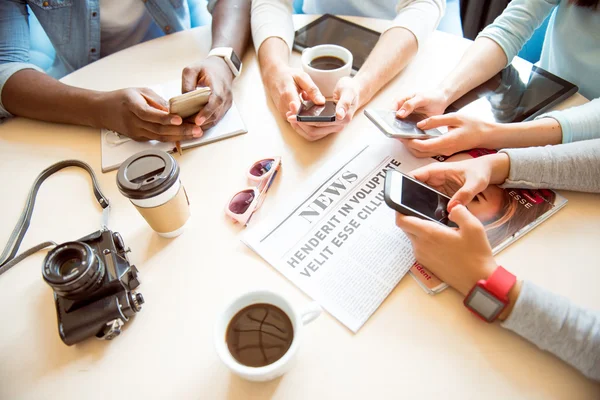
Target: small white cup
279, 367
327, 79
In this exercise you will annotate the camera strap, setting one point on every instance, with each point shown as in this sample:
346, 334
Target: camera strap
9, 257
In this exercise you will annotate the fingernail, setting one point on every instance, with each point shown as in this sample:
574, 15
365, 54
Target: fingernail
196, 131
200, 121
421, 124
341, 113
401, 113
321, 98
176, 120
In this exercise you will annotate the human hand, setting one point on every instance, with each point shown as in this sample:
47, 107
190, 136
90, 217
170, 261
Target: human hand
460, 257
346, 96
216, 74
433, 102
464, 133
463, 180
143, 115
286, 85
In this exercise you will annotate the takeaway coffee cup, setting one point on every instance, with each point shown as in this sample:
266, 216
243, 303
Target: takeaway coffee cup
326, 64
150, 179
273, 336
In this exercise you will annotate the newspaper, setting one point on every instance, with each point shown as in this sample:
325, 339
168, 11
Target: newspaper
338, 241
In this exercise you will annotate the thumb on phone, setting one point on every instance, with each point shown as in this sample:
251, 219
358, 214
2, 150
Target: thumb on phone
306, 85
439, 120
462, 217
346, 100
465, 194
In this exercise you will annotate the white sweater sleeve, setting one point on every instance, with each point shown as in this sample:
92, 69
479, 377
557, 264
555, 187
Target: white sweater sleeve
272, 18
421, 17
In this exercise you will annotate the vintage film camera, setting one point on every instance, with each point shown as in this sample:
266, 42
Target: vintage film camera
94, 286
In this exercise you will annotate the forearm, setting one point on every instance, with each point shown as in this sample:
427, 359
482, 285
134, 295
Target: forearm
578, 123
482, 60
231, 25
556, 325
272, 19
539, 132
273, 54
33, 94
394, 50
572, 166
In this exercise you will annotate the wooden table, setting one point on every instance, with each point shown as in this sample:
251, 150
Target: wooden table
414, 346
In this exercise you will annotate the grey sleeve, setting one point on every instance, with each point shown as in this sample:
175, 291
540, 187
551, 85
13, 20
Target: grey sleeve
555, 324
571, 166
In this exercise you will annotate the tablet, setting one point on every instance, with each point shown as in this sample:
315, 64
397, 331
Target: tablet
330, 29
515, 95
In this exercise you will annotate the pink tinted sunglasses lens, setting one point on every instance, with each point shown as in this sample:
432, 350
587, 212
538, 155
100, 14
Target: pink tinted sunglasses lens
262, 167
241, 201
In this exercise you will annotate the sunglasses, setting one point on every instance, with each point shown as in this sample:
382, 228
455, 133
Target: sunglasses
242, 206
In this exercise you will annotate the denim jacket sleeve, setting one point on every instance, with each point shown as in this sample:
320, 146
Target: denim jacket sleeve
14, 43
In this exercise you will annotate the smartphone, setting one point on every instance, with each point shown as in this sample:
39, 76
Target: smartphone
310, 112
400, 128
411, 197
189, 103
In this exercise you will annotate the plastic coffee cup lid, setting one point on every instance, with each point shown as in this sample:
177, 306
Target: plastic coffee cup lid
147, 174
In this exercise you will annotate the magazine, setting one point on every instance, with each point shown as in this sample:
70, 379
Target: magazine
508, 214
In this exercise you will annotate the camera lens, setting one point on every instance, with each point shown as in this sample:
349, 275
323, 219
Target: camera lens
73, 270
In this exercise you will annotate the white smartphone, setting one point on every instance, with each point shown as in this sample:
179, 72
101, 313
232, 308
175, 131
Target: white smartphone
189, 103
411, 197
400, 128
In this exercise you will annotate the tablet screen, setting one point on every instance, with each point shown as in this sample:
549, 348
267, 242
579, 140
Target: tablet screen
330, 29
515, 95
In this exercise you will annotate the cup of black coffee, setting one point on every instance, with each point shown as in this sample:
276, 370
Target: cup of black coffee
258, 334
326, 65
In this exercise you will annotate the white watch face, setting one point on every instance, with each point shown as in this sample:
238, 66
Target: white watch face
484, 304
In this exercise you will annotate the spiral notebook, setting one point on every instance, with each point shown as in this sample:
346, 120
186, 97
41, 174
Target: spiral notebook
117, 148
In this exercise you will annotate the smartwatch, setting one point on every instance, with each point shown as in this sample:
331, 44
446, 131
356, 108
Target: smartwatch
230, 58
489, 298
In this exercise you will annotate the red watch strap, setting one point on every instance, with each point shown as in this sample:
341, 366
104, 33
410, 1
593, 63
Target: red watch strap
500, 283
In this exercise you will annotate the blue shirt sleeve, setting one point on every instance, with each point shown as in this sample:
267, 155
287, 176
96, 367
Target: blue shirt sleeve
515, 26
14, 43
578, 123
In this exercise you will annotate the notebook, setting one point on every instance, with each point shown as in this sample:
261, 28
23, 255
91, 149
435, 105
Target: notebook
117, 148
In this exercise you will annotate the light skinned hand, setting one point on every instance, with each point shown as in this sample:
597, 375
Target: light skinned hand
216, 74
463, 180
464, 133
433, 102
458, 256
346, 96
286, 84
143, 115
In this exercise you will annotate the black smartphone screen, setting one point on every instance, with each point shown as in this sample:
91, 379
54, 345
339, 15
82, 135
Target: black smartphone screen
314, 113
424, 200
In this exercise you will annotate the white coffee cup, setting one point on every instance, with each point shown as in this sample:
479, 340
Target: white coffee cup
326, 80
279, 367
